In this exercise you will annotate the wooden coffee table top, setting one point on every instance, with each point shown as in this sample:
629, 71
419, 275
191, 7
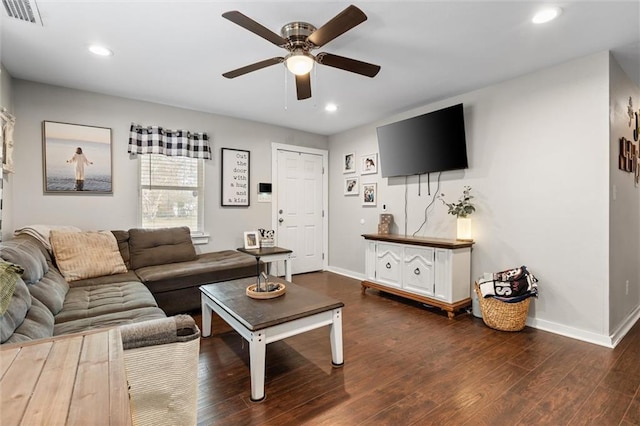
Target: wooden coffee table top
297, 302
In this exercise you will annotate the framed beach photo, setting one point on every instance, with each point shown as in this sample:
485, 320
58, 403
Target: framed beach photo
349, 163
351, 186
369, 164
251, 240
76, 159
369, 194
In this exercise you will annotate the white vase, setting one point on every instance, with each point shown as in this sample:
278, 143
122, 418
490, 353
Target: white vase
464, 229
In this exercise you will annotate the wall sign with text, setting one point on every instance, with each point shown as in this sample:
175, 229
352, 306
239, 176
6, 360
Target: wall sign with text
235, 177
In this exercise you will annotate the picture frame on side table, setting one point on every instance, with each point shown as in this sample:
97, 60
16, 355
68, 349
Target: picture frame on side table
369, 194
349, 163
351, 186
369, 164
251, 240
76, 159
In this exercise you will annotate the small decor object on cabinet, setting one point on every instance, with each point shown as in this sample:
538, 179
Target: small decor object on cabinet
349, 163
77, 159
351, 186
462, 209
235, 177
369, 194
369, 164
251, 240
384, 226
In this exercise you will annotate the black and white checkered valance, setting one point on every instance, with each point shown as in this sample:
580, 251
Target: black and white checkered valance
172, 143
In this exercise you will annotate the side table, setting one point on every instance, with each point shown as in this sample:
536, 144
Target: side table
269, 255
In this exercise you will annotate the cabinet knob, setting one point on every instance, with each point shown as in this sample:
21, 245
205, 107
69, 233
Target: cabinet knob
417, 271
388, 265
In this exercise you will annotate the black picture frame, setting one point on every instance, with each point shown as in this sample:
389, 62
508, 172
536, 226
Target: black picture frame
235, 166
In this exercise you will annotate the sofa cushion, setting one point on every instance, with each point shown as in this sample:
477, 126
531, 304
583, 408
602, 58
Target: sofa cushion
27, 253
82, 255
206, 268
92, 301
50, 290
37, 325
108, 320
148, 247
106, 279
16, 312
122, 237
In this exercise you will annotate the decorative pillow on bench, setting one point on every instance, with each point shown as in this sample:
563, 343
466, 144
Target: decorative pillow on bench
81, 255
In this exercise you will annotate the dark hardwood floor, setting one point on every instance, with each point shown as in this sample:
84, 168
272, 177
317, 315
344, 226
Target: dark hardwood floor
406, 364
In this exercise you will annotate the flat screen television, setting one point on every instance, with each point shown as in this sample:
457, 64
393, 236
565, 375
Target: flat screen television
431, 142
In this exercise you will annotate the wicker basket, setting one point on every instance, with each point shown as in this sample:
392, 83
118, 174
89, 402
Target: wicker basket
501, 315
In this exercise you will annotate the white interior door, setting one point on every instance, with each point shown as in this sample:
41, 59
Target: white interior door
299, 208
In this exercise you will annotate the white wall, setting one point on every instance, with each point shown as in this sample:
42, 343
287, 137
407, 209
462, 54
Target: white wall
7, 179
35, 103
539, 168
624, 305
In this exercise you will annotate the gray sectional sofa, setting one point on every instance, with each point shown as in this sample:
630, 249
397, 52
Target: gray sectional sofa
163, 273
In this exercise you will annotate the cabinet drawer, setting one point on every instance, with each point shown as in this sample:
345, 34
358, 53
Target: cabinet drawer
418, 270
388, 261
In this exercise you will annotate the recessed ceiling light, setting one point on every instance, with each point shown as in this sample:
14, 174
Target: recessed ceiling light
546, 15
100, 50
331, 108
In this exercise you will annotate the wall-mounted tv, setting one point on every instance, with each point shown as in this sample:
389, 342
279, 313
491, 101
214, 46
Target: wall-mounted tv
431, 142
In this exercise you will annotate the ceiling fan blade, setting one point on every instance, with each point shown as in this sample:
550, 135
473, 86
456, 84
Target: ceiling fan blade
253, 67
340, 24
348, 64
303, 86
251, 25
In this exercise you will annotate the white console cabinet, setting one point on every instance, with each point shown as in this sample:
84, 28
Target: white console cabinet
430, 270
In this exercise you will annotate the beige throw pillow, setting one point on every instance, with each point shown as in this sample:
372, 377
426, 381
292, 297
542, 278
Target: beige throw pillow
81, 255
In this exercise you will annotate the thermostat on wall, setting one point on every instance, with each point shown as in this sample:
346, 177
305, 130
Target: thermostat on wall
264, 192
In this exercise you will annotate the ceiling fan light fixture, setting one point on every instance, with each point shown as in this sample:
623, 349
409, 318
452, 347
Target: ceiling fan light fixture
299, 63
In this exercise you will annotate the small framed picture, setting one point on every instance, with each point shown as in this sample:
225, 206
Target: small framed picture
369, 194
351, 186
349, 163
369, 164
251, 240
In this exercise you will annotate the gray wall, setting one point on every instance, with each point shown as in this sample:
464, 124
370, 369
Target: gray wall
624, 224
35, 103
538, 150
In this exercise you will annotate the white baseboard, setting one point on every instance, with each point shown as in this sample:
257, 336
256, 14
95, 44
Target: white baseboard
346, 273
625, 326
574, 333
552, 327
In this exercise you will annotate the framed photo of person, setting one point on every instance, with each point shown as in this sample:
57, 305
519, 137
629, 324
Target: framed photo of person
349, 163
351, 186
251, 240
76, 159
369, 164
369, 194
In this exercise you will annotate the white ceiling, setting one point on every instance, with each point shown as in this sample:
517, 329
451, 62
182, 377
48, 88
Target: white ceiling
174, 52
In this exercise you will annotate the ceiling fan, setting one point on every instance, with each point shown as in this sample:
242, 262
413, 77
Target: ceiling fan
299, 39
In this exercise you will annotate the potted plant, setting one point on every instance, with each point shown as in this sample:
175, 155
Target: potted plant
461, 209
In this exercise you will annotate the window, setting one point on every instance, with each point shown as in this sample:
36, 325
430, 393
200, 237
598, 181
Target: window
171, 192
